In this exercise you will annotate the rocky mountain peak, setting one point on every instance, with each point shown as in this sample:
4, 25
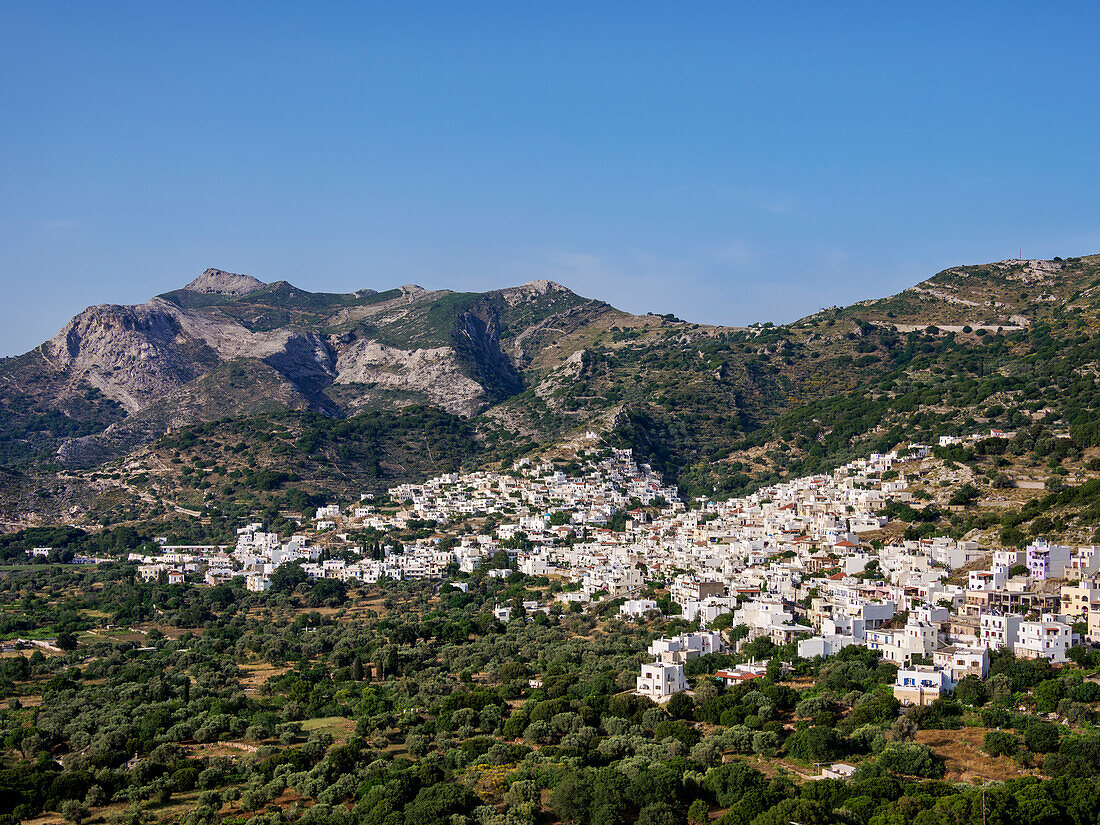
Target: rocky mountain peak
530, 290
219, 282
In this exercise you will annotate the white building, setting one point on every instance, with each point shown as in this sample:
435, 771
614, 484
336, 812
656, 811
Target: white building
1047, 638
638, 608
960, 662
997, 631
921, 685
659, 681
686, 646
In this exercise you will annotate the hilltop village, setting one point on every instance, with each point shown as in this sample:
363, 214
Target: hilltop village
803, 561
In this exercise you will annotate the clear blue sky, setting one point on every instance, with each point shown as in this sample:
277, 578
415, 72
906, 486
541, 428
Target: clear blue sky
729, 162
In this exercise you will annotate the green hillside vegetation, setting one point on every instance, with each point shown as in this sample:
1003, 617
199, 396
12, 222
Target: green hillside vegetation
323, 702
721, 411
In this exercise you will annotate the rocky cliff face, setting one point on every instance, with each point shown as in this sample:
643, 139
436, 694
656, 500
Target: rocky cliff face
133, 355
435, 371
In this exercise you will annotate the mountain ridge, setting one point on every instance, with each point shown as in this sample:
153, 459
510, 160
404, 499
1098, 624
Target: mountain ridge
720, 408
336, 352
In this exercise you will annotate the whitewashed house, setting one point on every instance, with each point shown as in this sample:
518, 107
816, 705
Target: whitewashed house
659, 681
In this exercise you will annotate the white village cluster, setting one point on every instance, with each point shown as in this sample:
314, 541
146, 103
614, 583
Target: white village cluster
787, 561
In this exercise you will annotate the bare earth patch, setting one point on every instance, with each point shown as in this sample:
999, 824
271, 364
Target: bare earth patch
966, 761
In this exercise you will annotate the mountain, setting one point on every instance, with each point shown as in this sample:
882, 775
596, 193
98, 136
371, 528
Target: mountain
228, 345
335, 393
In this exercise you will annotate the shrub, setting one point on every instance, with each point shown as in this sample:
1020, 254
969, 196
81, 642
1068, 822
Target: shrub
1000, 743
815, 744
911, 759
1040, 736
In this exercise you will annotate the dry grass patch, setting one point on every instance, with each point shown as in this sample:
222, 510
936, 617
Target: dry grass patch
339, 727
966, 761
255, 675
11, 654
233, 750
32, 701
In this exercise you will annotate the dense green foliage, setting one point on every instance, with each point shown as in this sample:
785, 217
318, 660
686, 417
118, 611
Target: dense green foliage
425, 713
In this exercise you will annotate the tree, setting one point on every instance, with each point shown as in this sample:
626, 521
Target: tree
814, 744
965, 496
677, 730
972, 691
1040, 736
1000, 743
681, 706
522, 792
439, 803
903, 729
571, 798
660, 813
73, 811
729, 783
287, 576
801, 811
66, 641
1048, 693
765, 742
911, 759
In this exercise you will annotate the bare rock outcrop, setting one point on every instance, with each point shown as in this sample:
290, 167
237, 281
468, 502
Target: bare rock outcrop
228, 345
435, 372
132, 354
219, 282
515, 295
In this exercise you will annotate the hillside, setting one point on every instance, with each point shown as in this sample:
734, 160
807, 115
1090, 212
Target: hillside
331, 391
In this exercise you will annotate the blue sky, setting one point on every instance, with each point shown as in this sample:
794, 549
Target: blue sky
729, 162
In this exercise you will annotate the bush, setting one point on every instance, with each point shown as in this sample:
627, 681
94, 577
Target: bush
816, 744
1040, 736
438, 803
911, 759
1000, 743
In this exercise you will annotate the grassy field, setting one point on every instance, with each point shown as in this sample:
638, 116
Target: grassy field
339, 727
